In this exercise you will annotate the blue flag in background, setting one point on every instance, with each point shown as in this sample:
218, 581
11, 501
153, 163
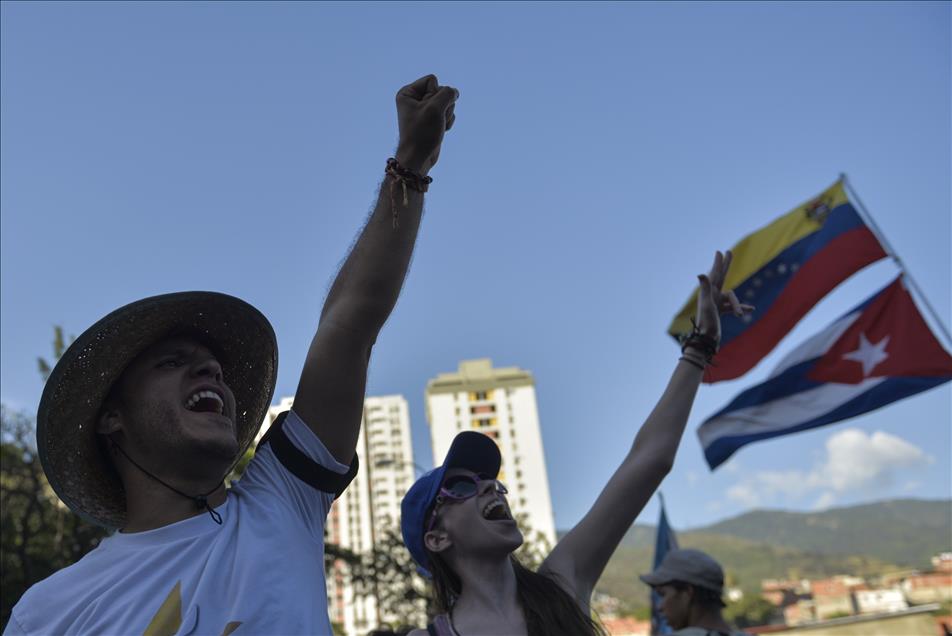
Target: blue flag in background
665, 541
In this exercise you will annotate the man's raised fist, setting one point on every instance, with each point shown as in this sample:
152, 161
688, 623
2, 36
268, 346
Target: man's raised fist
425, 111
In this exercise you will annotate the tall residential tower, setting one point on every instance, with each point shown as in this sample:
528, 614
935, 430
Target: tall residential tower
502, 404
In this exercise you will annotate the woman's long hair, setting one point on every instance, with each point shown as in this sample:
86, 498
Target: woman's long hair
548, 609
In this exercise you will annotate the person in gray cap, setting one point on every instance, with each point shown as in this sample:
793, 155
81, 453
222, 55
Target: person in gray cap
690, 584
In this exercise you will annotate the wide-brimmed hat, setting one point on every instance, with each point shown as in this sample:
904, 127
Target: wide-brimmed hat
241, 339
470, 450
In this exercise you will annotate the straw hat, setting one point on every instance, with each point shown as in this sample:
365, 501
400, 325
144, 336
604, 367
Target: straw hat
238, 334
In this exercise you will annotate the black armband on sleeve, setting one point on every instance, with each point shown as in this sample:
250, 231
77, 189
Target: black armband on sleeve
302, 466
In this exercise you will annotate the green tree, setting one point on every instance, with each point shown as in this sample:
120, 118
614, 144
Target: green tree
38, 534
60, 344
749, 611
389, 573
535, 548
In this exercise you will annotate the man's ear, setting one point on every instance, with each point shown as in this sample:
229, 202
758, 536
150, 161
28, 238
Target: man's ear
110, 421
692, 592
437, 541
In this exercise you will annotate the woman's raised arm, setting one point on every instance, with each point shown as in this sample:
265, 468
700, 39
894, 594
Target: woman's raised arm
579, 558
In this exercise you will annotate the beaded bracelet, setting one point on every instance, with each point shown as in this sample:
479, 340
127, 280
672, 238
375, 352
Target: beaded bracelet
405, 178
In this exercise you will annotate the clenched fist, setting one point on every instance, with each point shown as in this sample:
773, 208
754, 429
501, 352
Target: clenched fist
424, 114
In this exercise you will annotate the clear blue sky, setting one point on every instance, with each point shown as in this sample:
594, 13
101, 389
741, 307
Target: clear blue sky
602, 152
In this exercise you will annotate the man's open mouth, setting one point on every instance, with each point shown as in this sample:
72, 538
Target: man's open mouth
205, 402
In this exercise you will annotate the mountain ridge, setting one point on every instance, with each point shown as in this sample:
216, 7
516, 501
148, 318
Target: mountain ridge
867, 539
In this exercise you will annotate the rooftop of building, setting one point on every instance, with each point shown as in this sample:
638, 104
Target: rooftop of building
479, 375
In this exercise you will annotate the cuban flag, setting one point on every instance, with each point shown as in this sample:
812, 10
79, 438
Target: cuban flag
879, 352
665, 540
783, 270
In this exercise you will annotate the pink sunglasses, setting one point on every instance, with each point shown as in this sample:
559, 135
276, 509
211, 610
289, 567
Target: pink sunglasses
460, 488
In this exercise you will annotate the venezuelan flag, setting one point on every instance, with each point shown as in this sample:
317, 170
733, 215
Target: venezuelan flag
784, 269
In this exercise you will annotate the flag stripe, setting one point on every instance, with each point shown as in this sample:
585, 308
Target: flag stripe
783, 385
764, 287
755, 250
883, 392
816, 345
779, 309
787, 400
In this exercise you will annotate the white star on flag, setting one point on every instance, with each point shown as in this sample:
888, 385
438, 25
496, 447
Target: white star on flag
869, 355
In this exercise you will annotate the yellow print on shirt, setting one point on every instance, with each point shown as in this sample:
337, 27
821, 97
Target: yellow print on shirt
168, 619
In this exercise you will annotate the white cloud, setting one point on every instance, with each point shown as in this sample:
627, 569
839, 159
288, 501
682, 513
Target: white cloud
744, 493
859, 462
732, 466
824, 501
854, 462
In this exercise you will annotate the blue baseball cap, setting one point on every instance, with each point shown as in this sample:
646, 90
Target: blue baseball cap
470, 450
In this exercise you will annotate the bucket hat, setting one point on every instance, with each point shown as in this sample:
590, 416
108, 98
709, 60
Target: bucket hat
239, 336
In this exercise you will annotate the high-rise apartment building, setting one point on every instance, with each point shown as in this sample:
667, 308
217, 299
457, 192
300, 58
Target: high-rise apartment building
502, 404
370, 507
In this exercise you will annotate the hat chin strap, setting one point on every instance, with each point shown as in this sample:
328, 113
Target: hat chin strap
200, 500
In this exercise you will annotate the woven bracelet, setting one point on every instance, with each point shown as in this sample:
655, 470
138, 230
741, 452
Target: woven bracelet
705, 344
406, 178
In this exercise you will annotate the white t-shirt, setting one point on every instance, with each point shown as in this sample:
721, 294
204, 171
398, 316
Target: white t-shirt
260, 572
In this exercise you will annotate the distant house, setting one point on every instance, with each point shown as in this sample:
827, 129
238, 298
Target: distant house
942, 562
833, 597
627, 627
781, 592
933, 587
799, 612
784, 593
880, 601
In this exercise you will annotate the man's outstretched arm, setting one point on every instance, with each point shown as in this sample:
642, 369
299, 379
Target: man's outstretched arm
330, 395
